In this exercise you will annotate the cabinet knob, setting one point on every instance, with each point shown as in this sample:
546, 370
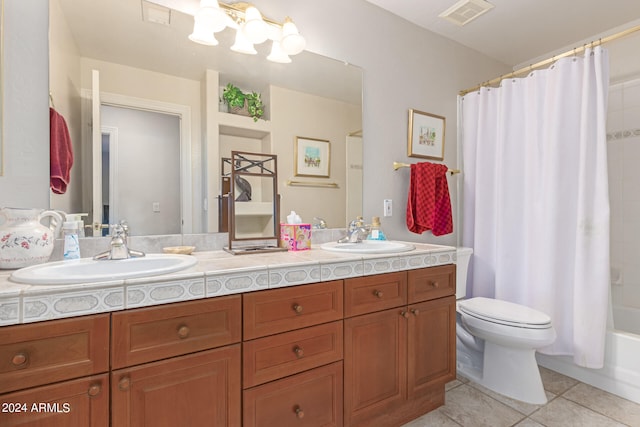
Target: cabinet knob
299, 412
183, 331
298, 351
378, 294
297, 308
415, 311
94, 390
404, 314
124, 383
435, 284
19, 359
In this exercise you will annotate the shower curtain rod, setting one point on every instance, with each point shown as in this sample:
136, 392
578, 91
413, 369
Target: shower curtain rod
553, 59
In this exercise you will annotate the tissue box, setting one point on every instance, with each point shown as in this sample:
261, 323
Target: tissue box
295, 237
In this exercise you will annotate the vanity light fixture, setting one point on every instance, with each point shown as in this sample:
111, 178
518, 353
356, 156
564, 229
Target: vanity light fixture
251, 29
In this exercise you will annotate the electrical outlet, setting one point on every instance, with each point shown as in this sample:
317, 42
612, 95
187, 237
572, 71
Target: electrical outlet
388, 207
156, 206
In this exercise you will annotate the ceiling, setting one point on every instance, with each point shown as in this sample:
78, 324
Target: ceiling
519, 32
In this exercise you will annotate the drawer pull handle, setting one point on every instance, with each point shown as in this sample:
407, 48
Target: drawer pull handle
415, 311
377, 293
19, 359
124, 383
299, 413
297, 308
435, 284
183, 332
404, 314
94, 390
298, 351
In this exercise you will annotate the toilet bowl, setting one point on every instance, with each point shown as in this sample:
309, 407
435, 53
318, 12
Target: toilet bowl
497, 341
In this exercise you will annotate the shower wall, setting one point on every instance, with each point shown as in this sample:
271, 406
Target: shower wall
623, 137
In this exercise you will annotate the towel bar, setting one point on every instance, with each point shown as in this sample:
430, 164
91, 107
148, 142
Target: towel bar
398, 165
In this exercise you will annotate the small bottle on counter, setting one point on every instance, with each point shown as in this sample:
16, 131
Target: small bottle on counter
376, 232
71, 242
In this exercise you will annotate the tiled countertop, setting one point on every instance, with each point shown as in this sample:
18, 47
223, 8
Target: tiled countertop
217, 273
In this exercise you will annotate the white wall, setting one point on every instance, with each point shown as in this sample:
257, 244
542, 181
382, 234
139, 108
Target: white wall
623, 149
25, 80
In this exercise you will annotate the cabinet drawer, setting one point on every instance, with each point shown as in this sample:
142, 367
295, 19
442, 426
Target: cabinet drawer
312, 398
270, 358
375, 293
47, 352
280, 310
82, 402
430, 283
154, 333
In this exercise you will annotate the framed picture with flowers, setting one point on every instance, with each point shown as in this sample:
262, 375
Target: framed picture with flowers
312, 157
426, 135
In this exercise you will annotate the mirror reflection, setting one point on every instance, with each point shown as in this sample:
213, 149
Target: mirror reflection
105, 55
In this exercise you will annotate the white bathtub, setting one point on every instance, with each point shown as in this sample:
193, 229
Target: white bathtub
621, 372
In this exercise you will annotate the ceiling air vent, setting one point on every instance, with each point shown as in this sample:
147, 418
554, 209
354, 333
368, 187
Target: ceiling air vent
155, 13
466, 11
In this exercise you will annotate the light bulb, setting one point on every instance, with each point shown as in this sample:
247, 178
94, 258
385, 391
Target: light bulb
242, 44
277, 54
292, 42
254, 28
202, 30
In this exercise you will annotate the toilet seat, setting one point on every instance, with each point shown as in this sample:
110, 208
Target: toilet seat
504, 313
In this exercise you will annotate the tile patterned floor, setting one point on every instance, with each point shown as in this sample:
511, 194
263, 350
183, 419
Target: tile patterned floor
571, 403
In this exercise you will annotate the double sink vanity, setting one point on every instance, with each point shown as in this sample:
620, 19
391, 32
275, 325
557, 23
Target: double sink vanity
331, 336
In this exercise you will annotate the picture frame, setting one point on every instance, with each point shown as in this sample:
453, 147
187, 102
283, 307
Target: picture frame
312, 157
426, 135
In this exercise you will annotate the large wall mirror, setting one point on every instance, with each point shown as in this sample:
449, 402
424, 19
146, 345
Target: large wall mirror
114, 59
1, 84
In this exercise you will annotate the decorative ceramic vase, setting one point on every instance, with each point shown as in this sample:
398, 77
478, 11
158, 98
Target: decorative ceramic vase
24, 240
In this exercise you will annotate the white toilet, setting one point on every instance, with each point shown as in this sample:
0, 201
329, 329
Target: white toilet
497, 341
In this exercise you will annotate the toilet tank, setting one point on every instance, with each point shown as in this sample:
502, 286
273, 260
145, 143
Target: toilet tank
463, 255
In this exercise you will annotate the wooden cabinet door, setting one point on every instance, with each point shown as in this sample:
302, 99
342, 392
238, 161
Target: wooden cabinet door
431, 345
76, 403
375, 365
201, 389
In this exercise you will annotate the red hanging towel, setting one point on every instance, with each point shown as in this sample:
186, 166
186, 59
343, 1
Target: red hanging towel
61, 153
428, 204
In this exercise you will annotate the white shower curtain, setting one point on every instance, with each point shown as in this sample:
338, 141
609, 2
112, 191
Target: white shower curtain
535, 198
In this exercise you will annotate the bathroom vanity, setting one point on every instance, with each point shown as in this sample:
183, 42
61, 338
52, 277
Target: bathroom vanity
311, 338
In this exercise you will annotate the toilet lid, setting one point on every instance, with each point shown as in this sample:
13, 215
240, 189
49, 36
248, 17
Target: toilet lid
504, 312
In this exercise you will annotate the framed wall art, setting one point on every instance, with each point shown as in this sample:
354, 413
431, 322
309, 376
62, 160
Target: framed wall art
426, 135
312, 157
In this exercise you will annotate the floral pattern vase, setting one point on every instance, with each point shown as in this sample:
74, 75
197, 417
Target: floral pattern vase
24, 240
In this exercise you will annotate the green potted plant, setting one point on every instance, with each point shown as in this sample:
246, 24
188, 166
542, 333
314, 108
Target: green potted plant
242, 103
255, 105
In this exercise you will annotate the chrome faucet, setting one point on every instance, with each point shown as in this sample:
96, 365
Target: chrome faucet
118, 248
320, 224
356, 232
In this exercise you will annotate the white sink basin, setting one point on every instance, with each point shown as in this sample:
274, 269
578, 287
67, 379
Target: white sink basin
88, 270
369, 247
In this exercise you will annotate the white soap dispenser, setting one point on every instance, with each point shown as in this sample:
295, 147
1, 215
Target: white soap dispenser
71, 241
80, 223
